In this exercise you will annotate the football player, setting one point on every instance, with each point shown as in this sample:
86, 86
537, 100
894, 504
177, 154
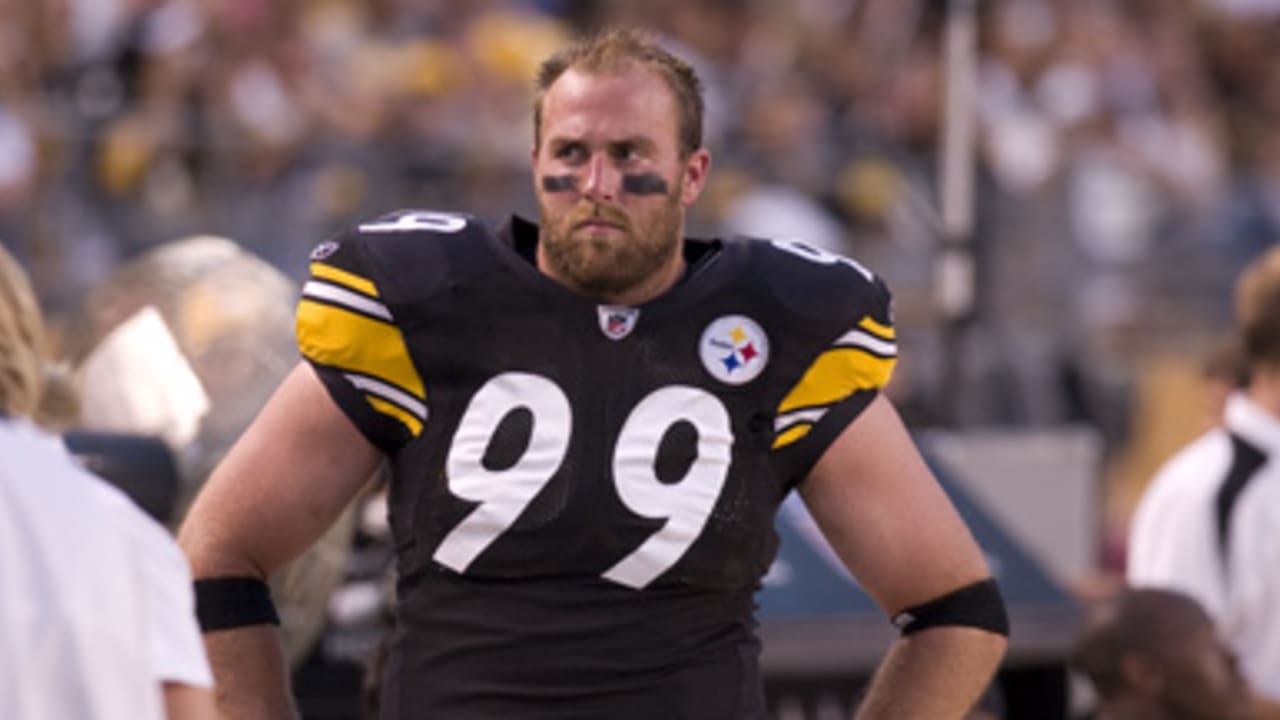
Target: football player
591, 422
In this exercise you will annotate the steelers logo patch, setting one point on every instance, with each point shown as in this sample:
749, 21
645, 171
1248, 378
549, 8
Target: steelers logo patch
734, 349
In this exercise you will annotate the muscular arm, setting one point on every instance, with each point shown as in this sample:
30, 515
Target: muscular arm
278, 489
893, 526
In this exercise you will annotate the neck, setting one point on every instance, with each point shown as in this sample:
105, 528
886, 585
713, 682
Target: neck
1264, 389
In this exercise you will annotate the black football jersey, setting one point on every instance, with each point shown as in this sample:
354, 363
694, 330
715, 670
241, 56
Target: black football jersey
583, 494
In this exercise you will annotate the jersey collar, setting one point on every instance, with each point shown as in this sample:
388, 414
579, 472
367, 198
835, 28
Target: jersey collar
1250, 421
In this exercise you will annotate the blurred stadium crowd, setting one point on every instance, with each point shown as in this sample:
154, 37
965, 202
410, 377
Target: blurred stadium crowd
1120, 134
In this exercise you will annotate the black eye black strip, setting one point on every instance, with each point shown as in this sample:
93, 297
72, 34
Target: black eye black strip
559, 183
644, 184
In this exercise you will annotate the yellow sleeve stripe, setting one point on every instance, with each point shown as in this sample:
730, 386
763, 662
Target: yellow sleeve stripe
885, 332
345, 278
386, 408
342, 339
791, 435
835, 375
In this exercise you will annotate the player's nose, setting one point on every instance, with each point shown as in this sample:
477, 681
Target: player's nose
600, 180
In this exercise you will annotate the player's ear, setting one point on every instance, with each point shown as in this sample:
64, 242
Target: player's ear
695, 175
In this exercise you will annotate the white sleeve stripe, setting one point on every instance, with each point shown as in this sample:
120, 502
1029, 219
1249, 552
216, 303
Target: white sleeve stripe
782, 422
867, 341
346, 298
390, 393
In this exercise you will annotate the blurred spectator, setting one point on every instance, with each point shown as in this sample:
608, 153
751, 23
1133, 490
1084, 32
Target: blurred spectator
185, 343
97, 614
1209, 524
1155, 654
1225, 371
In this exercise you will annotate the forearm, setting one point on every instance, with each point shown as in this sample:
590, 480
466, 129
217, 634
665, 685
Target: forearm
251, 680
250, 675
933, 674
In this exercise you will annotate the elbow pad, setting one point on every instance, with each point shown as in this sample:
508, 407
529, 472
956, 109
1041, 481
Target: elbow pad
978, 605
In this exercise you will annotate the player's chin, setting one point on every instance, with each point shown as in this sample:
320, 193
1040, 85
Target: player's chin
603, 274
600, 252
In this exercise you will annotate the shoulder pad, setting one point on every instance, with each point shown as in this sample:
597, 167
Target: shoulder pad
411, 252
416, 222
812, 281
788, 252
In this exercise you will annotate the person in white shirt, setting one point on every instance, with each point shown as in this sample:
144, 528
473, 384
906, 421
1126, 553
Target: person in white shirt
97, 612
1209, 523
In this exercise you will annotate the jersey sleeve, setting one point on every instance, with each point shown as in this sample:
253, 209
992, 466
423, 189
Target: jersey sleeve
347, 332
840, 378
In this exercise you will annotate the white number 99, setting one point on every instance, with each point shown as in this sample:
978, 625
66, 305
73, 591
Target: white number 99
503, 495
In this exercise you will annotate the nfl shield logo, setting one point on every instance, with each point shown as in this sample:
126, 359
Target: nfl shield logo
617, 321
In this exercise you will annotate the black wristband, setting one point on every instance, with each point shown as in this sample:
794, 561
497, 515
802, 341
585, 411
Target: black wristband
978, 605
231, 602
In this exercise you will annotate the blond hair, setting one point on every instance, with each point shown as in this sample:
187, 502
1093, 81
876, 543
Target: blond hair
1258, 309
617, 49
22, 366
